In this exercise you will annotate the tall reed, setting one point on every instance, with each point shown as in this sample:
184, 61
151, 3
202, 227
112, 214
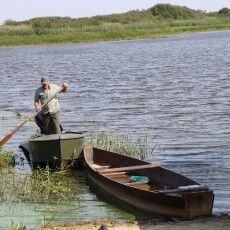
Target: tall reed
7, 159
42, 185
123, 144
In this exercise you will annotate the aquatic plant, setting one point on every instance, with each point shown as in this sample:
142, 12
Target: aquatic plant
19, 226
123, 144
7, 159
41, 186
18, 114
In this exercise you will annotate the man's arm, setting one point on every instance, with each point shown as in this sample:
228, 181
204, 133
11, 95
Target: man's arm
37, 105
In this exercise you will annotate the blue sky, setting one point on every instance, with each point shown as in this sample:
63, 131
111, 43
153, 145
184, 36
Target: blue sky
26, 9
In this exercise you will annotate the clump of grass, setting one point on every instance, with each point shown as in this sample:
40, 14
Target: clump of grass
42, 186
19, 226
7, 159
123, 145
18, 114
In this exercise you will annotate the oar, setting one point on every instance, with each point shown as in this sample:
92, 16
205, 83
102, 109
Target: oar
8, 136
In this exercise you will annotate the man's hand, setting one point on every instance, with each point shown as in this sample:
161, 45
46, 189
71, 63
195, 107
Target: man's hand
64, 86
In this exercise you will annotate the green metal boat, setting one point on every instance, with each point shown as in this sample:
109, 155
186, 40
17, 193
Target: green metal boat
55, 150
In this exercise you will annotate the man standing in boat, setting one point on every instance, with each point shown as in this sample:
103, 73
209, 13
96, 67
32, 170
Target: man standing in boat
48, 117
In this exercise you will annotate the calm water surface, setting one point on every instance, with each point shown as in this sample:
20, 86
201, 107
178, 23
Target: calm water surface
175, 90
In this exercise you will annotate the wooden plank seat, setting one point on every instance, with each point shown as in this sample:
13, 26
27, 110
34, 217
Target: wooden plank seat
140, 185
184, 189
98, 167
128, 168
114, 174
135, 183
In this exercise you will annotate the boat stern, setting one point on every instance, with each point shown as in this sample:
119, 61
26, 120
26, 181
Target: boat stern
199, 203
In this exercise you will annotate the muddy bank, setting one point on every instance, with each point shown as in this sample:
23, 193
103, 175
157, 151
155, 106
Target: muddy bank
209, 223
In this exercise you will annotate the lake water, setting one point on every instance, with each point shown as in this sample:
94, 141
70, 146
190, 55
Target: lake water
173, 90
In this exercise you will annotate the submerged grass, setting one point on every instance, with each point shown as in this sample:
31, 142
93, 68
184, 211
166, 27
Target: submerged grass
7, 159
42, 186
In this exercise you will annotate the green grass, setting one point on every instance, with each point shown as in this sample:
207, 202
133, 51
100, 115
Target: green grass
6, 159
42, 186
128, 26
122, 144
39, 186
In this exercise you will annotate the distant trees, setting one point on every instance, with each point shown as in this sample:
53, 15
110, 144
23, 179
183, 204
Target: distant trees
10, 22
61, 22
159, 11
36, 24
168, 11
224, 11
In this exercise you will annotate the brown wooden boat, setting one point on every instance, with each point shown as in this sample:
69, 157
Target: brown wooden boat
162, 191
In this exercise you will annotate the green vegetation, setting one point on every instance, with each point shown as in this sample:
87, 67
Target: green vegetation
58, 187
42, 186
46, 186
224, 12
123, 145
18, 114
158, 21
175, 12
6, 159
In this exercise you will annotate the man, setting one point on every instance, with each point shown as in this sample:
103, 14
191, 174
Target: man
48, 118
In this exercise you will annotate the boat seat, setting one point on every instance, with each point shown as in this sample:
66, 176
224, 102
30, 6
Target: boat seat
128, 168
135, 183
188, 188
144, 186
114, 174
98, 167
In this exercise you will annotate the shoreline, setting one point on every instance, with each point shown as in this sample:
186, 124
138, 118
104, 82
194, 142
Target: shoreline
210, 223
159, 36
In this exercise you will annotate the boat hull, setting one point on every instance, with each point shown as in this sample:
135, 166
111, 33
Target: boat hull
55, 150
139, 197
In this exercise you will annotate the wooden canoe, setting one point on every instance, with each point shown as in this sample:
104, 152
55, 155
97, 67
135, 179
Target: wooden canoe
55, 150
164, 193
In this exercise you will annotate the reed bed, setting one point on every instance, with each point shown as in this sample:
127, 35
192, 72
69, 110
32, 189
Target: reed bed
41, 186
28, 35
7, 159
121, 143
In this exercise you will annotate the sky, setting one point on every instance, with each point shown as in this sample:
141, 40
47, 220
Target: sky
19, 10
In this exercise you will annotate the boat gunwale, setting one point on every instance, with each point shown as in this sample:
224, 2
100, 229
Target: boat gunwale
54, 137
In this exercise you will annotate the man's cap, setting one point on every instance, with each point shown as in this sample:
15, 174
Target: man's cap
45, 80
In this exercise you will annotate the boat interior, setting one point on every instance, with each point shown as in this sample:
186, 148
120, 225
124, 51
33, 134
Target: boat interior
140, 174
149, 177
124, 174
